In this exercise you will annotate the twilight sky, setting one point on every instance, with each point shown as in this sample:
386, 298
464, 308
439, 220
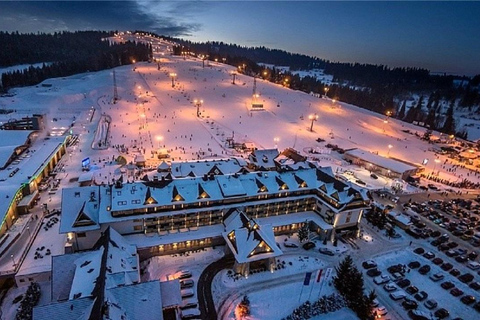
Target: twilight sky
439, 36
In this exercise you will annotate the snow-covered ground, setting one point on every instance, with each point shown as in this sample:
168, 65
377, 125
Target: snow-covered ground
152, 115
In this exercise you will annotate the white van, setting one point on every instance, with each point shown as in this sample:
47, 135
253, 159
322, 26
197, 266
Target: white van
473, 265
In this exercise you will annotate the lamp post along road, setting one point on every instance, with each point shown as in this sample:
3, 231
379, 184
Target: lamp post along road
173, 75
233, 76
198, 103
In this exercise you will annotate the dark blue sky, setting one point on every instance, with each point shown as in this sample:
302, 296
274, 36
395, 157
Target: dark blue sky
439, 36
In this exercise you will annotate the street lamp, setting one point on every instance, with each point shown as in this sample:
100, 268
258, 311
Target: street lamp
198, 103
159, 139
389, 148
276, 139
234, 74
326, 91
435, 165
173, 75
312, 117
29, 234
13, 260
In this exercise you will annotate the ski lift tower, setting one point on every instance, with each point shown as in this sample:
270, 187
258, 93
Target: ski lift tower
256, 104
115, 92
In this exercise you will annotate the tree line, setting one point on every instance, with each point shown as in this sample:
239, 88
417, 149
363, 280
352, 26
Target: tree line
63, 54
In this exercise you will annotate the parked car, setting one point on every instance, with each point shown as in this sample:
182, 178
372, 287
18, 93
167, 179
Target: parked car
420, 296
424, 269
472, 255
326, 251
456, 292
409, 304
308, 245
381, 279
188, 283
397, 295
184, 274
475, 285
441, 313
374, 176
369, 264
461, 259
431, 304
414, 265
468, 299
402, 283
455, 272
381, 311
447, 285
389, 287
290, 245
466, 277
429, 255
446, 266
411, 290
419, 250
437, 261
374, 272
437, 277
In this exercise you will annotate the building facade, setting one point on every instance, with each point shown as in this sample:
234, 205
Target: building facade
185, 214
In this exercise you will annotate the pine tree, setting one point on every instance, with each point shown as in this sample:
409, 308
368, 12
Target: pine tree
449, 124
303, 232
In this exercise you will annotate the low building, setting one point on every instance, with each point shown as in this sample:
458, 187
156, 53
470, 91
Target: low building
392, 168
103, 284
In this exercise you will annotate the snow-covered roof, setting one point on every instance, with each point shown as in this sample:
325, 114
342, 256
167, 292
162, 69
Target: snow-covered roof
9, 141
83, 204
87, 270
76, 310
263, 159
387, 163
139, 301
200, 168
169, 193
170, 293
248, 240
112, 264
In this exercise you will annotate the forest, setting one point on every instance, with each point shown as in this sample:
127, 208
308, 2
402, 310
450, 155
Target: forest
63, 54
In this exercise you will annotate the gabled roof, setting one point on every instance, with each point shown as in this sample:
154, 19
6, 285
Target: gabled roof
248, 240
281, 185
148, 197
261, 186
202, 194
83, 218
176, 196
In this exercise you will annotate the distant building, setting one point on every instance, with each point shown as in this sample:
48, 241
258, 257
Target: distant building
388, 167
35, 122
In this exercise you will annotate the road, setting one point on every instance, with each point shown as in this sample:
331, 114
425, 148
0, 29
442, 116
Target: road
204, 287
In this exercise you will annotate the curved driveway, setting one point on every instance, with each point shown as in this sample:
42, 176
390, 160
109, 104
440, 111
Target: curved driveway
204, 288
